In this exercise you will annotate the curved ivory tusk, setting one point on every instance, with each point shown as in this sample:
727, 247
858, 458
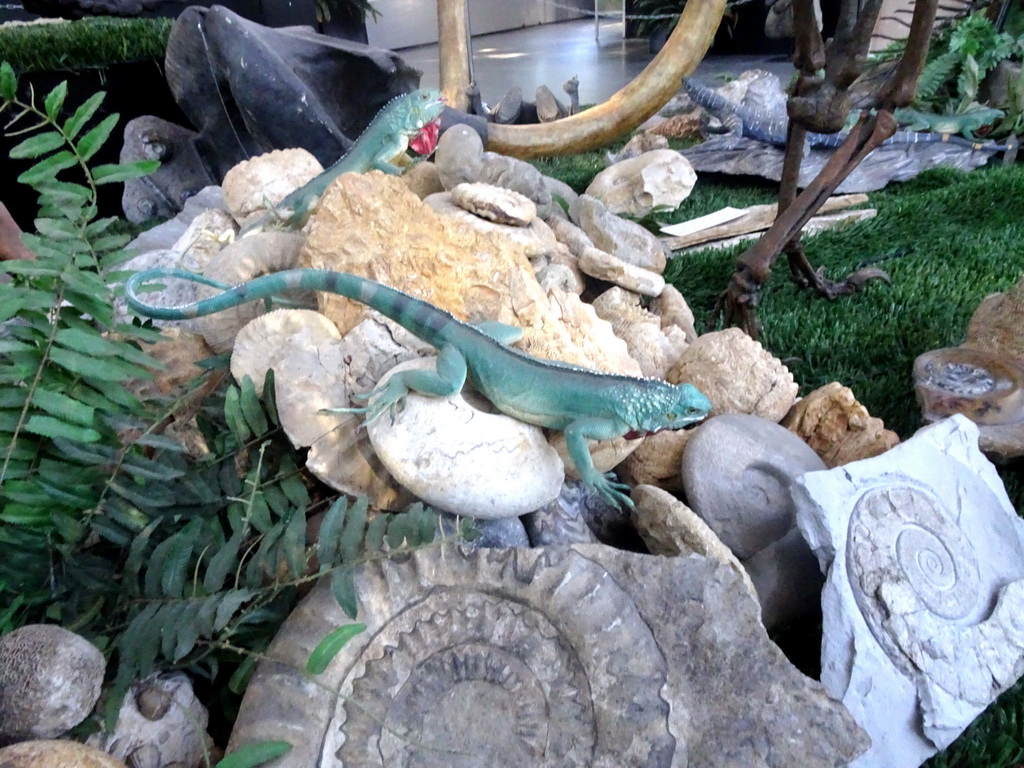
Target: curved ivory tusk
646, 94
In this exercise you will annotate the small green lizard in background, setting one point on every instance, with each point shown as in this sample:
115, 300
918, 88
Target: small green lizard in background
584, 404
390, 133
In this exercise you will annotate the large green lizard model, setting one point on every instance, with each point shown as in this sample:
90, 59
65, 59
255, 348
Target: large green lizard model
398, 123
583, 404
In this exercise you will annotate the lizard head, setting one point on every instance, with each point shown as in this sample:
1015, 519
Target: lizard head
665, 406
423, 119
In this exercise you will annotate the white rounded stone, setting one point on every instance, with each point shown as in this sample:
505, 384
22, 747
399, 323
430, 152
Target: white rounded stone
465, 460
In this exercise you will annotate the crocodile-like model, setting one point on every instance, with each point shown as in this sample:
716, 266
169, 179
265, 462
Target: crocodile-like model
772, 129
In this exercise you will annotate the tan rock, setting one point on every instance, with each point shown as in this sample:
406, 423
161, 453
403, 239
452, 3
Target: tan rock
606, 454
371, 225
670, 528
535, 238
203, 239
737, 374
655, 349
259, 254
55, 754
658, 459
590, 333
997, 322
660, 179
645, 141
423, 179
620, 237
502, 206
605, 266
837, 427
559, 268
672, 308
684, 126
254, 185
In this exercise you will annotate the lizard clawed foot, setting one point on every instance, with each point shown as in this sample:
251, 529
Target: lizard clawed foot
737, 306
615, 492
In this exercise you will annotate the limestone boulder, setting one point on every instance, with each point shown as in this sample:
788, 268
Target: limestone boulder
534, 238
737, 374
656, 180
455, 453
372, 226
657, 460
53, 753
502, 206
256, 185
624, 239
655, 348
837, 427
50, 680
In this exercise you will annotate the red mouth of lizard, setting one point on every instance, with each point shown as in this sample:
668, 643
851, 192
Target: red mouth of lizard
424, 142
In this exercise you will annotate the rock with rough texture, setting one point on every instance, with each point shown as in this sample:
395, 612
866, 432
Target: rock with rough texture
534, 239
259, 183
996, 323
161, 723
371, 225
423, 179
500, 533
656, 180
181, 175
737, 470
558, 522
658, 459
837, 427
316, 369
624, 239
165, 235
460, 158
288, 87
737, 374
50, 679
502, 206
670, 305
56, 754
612, 269
640, 143
682, 126
456, 455
670, 528
575, 656
925, 591
654, 347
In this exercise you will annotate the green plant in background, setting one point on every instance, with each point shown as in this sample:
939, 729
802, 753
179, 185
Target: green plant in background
110, 527
89, 43
656, 14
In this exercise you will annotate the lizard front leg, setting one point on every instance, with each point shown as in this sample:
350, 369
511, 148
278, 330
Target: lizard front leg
596, 428
447, 379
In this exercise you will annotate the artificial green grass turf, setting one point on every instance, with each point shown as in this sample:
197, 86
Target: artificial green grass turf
947, 240
89, 43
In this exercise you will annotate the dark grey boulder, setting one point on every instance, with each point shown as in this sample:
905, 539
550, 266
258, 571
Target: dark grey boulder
296, 88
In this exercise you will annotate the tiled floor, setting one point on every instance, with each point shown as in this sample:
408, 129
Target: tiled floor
552, 53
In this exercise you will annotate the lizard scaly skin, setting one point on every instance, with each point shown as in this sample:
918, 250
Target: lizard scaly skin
387, 135
583, 404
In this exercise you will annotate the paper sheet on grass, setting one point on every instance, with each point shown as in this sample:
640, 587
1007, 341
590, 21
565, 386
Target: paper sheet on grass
704, 222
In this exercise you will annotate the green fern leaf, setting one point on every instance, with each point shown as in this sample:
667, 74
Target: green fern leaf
170, 616
400, 531
233, 414
292, 486
343, 587
255, 754
175, 567
92, 141
48, 168
140, 641
64, 407
352, 533
188, 631
47, 426
330, 532
222, 564
120, 172
252, 411
136, 553
55, 100
108, 369
83, 114
37, 145
8, 82
375, 531
229, 606
240, 679
293, 544
935, 74
64, 194
325, 651
270, 398
150, 496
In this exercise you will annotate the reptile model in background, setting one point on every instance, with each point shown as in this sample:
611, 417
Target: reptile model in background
772, 128
409, 120
583, 404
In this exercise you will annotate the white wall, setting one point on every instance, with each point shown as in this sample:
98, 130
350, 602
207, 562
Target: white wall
405, 23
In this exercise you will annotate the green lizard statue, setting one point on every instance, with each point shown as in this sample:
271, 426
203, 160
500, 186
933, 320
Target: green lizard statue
965, 123
582, 403
397, 126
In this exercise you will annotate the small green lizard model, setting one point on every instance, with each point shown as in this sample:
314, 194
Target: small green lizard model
583, 404
399, 121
